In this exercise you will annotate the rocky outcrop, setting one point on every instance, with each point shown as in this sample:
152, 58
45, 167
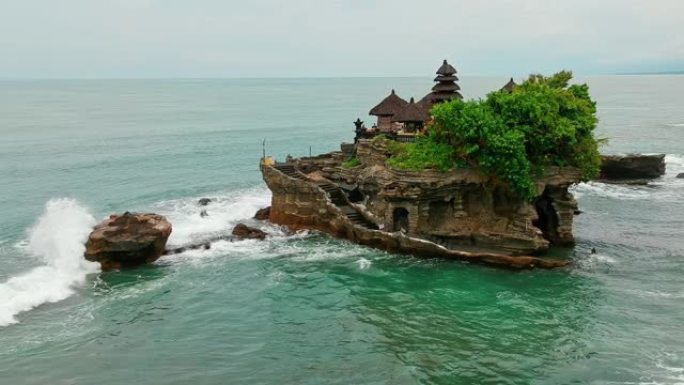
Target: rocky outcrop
302, 203
632, 166
127, 240
262, 214
242, 231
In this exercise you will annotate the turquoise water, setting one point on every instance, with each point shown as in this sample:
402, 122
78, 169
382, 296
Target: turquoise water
307, 309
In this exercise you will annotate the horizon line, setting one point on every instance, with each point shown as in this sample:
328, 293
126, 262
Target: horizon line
9, 79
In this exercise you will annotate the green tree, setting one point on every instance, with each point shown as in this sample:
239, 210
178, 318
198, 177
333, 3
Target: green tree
512, 136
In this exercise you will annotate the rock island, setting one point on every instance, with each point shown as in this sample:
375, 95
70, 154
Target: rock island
484, 180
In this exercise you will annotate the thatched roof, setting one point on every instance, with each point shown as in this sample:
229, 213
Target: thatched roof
388, 106
427, 102
509, 86
413, 112
446, 69
446, 78
435, 97
446, 87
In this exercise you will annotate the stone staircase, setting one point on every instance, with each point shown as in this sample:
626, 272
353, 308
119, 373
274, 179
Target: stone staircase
289, 170
337, 196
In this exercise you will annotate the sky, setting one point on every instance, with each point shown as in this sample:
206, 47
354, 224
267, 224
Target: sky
320, 38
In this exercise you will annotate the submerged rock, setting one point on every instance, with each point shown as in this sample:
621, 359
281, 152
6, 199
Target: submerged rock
204, 201
242, 231
127, 240
632, 166
262, 214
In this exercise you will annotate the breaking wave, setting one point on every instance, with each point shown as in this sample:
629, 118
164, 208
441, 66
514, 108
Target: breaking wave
666, 188
57, 240
220, 214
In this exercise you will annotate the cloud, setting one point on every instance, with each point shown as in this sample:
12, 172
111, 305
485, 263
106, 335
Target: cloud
206, 38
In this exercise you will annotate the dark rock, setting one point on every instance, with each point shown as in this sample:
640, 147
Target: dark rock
632, 166
204, 201
680, 175
242, 231
262, 214
629, 182
204, 213
128, 240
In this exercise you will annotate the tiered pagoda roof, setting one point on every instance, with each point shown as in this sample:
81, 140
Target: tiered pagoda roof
389, 106
446, 87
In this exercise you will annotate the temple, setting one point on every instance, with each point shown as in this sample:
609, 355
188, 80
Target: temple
401, 120
461, 213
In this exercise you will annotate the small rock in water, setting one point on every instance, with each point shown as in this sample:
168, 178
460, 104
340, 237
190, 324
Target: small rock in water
128, 240
204, 201
242, 231
632, 166
262, 214
680, 175
203, 213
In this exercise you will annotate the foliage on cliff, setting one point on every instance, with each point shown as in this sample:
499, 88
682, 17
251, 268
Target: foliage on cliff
512, 135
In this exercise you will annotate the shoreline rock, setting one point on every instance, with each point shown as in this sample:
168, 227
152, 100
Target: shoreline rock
263, 214
127, 240
632, 166
242, 231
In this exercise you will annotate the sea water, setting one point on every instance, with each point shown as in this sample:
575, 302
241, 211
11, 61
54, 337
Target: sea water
305, 308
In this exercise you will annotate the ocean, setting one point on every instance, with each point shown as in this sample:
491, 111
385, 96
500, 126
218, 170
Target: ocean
305, 308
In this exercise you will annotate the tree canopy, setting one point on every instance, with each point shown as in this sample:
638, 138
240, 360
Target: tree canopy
511, 135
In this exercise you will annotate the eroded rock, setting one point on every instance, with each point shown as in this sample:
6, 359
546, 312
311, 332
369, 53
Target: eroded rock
242, 231
262, 214
127, 240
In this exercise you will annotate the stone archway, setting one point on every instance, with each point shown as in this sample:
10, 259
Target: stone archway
400, 220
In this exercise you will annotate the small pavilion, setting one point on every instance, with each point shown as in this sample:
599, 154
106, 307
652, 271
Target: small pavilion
386, 110
413, 116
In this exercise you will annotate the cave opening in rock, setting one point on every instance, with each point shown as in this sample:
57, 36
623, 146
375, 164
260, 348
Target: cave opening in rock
355, 195
400, 219
547, 218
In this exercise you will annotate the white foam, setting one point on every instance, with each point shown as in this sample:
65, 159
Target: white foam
364, 263
613, 191
223, 212
674, 164
57, 239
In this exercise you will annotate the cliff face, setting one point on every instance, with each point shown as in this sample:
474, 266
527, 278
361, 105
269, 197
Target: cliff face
301, 202
460, 213
466, 209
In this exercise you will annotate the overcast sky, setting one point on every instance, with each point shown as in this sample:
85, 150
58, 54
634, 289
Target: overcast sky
300, 38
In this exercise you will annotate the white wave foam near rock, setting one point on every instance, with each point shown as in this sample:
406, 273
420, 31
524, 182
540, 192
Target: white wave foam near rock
57, 240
